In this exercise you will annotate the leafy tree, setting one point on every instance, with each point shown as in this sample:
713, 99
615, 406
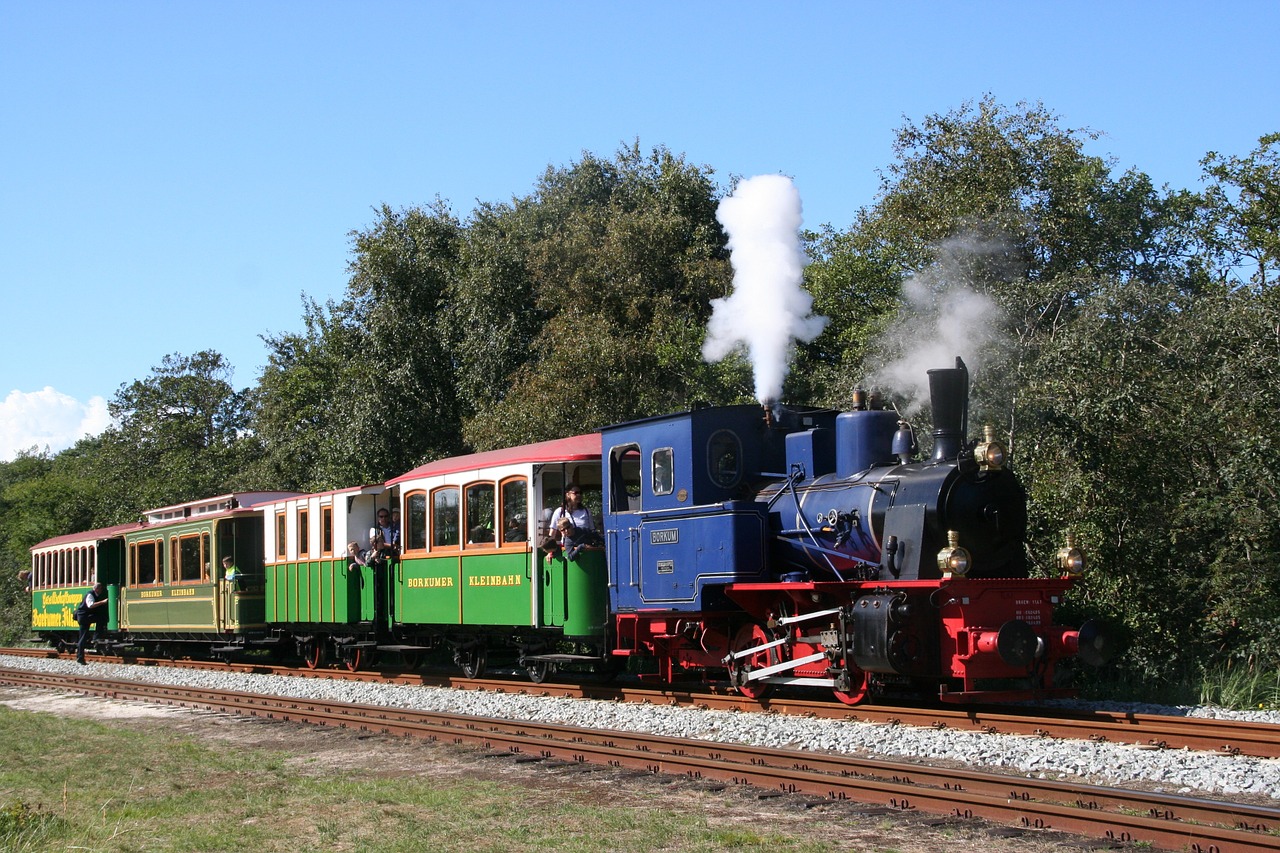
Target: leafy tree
178, 435
367, 391
602, 304
300, 411
1242, 207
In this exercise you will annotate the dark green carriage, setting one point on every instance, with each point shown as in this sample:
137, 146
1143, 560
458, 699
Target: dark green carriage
176, 596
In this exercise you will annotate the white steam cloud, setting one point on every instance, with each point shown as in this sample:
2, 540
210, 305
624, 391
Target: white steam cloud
768, 310
47, 420
942, 317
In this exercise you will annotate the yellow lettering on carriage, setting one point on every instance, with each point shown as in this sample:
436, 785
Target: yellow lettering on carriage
53, 619
51, 599
430, 583
151, 593
182, 593
494, 580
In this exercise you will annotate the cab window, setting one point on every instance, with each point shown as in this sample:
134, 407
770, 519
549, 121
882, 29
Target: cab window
624, 479
662, 471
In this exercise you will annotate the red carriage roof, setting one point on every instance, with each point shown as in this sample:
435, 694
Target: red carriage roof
88, 536
572, 449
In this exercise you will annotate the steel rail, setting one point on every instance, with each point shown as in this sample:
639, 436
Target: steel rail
1162, 820
1229, 737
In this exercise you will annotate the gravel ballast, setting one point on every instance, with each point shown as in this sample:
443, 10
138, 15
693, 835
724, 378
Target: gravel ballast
1175, 771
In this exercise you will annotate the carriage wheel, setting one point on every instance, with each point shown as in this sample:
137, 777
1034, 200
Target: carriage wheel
411, 660
750, 636
861, 688
353, 659
313, 652
471, 660
539, 670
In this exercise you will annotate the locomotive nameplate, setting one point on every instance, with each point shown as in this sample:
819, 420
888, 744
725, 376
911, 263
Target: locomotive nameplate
666, 567
666, 536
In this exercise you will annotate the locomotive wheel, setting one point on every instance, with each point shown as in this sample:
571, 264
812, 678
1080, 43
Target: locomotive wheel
861, 688
313, 653
748, 637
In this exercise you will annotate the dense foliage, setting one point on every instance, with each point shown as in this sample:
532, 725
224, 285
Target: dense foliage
1125, 339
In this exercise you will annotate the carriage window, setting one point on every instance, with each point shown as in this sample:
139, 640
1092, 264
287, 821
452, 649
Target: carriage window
326, 531
415, 534
304, 533
147, 568
515, 511
444, 518
724, 458
662, 471
280, 534
190, 558
480, 507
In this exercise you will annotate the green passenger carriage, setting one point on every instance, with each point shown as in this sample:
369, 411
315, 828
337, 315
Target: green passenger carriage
328, 604
470, 571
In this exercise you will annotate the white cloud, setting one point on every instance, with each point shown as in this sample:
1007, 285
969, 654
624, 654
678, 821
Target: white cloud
49, 420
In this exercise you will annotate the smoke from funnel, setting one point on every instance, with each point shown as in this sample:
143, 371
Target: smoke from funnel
768, 310
942, 316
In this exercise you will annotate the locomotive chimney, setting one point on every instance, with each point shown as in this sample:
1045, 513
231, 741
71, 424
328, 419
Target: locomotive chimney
949, 397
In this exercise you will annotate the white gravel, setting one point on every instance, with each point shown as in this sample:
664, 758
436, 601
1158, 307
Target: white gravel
1176, 771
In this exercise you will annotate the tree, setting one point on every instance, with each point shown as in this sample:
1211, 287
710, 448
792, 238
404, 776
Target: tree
179, 434
599, 300
367, 390
1242, 207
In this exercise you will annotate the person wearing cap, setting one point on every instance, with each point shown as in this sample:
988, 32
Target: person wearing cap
93, 609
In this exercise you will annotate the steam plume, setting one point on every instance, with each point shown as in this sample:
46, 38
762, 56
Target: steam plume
942, 316
768, 310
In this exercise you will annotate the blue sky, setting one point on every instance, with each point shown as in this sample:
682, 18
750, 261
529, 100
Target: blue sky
175, 175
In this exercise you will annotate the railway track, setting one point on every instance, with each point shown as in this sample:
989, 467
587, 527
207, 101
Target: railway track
1229, 737
1123, 816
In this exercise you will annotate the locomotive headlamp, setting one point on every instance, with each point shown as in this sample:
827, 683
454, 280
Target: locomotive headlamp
1071, 558
953, 559
990, 454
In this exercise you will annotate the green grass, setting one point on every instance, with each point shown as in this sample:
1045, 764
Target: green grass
1242, 687
79, 785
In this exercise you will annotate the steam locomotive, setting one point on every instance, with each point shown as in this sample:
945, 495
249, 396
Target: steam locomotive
784, 547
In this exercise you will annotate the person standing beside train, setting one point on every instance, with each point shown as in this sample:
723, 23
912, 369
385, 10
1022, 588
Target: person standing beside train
93, 609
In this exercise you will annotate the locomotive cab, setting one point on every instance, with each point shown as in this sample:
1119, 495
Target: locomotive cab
680, 517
